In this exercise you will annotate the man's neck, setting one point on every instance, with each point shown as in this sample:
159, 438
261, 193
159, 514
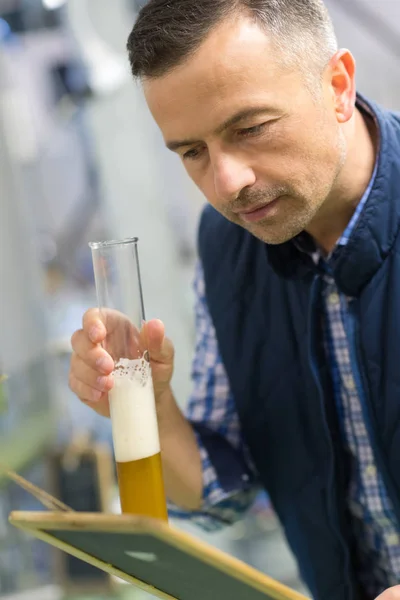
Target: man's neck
356, 174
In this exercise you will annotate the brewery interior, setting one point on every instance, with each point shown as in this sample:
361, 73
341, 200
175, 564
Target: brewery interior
81, 160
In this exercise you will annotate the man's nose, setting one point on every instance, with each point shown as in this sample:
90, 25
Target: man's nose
231, 176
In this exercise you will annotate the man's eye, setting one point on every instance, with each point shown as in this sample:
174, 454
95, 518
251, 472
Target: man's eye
192, 154
252, 131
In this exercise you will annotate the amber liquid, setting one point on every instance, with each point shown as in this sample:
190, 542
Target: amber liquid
141, 487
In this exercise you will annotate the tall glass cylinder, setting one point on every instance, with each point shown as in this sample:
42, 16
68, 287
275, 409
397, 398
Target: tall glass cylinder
132, 404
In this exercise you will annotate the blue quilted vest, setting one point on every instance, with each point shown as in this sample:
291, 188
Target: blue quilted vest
263, 301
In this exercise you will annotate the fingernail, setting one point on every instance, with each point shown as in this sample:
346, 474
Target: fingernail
102, 382
105, 364
96, 395
94, 333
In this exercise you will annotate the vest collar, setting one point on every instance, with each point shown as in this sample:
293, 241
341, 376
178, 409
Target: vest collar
376, 230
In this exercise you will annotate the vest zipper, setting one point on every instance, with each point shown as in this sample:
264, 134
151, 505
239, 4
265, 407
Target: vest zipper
370, 419
331, 504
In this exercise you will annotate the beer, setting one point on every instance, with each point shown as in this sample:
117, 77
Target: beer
136, 440
141, 487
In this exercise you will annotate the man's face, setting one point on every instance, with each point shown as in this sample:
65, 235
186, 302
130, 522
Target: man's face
265, 151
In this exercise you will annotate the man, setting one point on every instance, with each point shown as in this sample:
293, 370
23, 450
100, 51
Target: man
296, 373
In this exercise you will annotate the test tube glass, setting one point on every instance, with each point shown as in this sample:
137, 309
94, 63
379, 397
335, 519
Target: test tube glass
132, 402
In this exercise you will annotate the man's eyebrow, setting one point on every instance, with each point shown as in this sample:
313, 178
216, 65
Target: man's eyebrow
175, 145
233, 120
245, 114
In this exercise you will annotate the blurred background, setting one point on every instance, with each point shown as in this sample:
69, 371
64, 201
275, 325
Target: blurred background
80, 160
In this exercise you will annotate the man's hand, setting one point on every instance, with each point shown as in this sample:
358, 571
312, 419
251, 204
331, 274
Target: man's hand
111, 334
392, 594
92, 366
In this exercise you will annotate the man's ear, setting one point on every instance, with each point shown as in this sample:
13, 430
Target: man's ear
342, 70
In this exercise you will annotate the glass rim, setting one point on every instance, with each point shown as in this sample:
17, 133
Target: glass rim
110, 243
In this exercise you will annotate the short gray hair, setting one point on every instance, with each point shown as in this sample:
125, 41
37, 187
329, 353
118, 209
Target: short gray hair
168, 32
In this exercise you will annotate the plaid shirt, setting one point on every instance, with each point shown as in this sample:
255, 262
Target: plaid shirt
212, 405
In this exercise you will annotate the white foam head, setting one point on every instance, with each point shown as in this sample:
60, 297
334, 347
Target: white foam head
133, 411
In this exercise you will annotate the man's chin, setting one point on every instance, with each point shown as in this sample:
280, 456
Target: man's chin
271, 235
270, 231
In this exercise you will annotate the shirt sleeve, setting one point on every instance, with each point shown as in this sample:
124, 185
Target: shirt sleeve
229, 479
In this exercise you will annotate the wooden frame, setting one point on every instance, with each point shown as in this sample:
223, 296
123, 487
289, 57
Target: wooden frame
42, 524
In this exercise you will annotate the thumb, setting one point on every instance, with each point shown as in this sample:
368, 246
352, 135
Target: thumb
160, 348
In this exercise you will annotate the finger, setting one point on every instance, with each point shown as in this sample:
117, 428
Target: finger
93, 326
92, 354
114, 330
101, 408
85, 374
99, 323
160, 348
96, 402
85, 392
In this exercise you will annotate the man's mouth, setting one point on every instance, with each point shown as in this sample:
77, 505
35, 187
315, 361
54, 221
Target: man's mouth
258, 213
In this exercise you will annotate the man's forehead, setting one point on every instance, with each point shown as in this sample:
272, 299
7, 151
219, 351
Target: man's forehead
235, 69
234, 54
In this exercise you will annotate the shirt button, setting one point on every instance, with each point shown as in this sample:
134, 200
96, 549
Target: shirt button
371, 471
334, 299
392, 539
350, 384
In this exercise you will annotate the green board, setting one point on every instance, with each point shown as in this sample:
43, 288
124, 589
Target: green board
164, 561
